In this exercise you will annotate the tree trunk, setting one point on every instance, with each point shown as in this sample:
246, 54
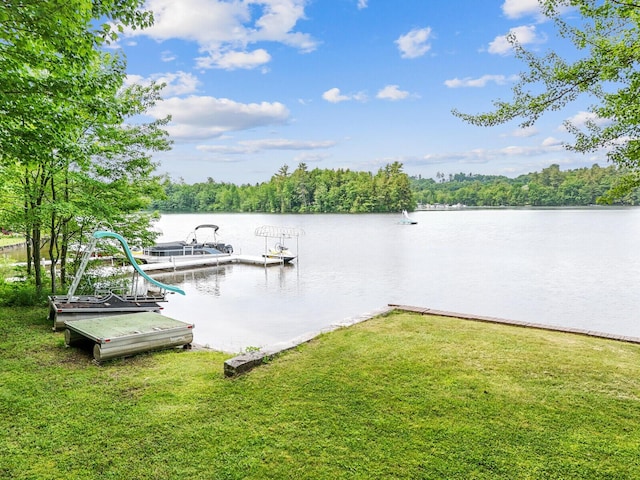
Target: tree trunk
54, 250
64, 252
29, 250
37, 258
53, 255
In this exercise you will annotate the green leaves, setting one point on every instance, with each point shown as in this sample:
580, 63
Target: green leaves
550, 187
608, 37
68, 156
303, 191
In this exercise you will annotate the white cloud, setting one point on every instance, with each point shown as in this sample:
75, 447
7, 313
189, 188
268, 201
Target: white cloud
310, 157
480, 82
333, 95
581, 119
392, 92
167, 56
525, 132
199, 117
134, 79
515, 9
520, 8
256, 146
208, 22
525, 35
362, 4
551, 142
235, 60
415, 43
283, 144
549, 146
360, 97
482, 155
177, 83
224, 29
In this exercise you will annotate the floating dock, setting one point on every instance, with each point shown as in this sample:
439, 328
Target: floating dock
128, 334
178, 263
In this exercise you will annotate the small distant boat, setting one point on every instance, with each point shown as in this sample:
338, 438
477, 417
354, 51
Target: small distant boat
281, 252
193, 248
406, 219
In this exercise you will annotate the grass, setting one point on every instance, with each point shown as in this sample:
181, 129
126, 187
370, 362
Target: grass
10, 240
401, 396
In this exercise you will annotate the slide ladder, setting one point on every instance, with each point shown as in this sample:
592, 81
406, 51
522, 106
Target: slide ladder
106, 234
86, 256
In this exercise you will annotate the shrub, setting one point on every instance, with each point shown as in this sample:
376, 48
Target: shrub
21, 293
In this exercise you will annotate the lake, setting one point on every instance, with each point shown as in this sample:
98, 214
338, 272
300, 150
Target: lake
568, 267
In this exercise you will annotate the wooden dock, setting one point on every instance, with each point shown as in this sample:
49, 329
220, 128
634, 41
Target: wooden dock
128, 334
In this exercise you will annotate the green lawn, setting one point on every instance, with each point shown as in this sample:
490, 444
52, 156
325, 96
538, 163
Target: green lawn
10, 240
401, 396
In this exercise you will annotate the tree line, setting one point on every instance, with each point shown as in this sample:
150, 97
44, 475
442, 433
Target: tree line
550, 187
391, 190
300, 191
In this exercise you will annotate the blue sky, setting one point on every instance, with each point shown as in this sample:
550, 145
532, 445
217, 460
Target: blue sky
256, 84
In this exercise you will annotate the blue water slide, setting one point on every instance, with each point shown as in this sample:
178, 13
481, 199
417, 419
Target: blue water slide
127, 251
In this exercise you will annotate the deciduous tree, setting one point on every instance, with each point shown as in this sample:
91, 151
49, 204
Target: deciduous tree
606, 36
60, 102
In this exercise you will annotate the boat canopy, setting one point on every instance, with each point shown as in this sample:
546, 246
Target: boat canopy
281, 252
278, 232
209, 225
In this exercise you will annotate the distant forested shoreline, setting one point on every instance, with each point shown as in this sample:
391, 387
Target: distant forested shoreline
551, 187
392, 190
300, 191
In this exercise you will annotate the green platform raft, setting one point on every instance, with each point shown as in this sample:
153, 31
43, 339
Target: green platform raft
127, 334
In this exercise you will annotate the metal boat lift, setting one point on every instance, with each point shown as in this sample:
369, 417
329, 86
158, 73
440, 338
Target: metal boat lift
280, 233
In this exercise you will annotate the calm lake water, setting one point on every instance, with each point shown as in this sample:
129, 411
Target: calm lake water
576, 268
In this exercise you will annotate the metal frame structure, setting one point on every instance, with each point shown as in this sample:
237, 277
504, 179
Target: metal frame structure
270, 231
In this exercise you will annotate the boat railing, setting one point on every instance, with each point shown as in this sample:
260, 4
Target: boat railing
172, 252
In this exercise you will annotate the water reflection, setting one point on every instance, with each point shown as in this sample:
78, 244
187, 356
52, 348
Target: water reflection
206, 281
282, 277
576, 268
543, 266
